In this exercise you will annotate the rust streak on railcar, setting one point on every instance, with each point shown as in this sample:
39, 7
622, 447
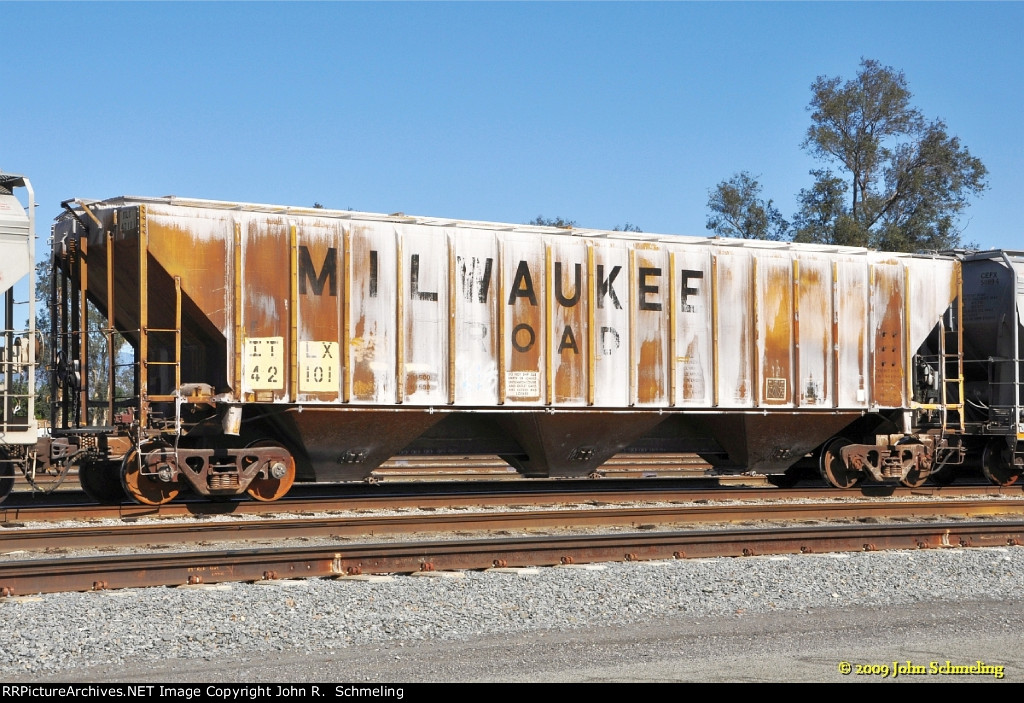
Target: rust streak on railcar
502, 327
673, 352
346, 316
524, 314
293, 314
795, 341
567, 341
318, 309
814, 300
591, 329
887, 336
265, 302
236, 310
549, 321
197, 251
753, 334
613, 361
693, 303
649, 337
775, 322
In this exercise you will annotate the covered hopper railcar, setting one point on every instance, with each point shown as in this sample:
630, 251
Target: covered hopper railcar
249, 346
18, 342
993, 292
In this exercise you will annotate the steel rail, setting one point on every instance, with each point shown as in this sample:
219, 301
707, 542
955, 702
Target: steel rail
163, 533
435, 496
131, 571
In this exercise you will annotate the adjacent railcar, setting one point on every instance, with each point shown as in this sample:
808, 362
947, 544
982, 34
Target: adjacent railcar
18, 430
249, 346
994, 360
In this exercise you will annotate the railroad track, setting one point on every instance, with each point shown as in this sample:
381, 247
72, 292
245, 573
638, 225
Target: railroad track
21, 546
362, 561
638, 517
21, 508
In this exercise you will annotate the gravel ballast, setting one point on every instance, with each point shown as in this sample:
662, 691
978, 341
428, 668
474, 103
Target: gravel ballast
120, 635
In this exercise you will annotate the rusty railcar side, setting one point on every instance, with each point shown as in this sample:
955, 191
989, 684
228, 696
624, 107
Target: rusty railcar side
349, 337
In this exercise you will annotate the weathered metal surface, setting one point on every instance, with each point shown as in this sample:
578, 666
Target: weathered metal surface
692, 357
474, 339
773, 298
573, 444
813, 333
734, 329
288, 308
770, 443
609, 333
522, 377
888, 348
335, 445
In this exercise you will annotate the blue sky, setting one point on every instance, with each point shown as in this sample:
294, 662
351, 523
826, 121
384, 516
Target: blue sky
600, 112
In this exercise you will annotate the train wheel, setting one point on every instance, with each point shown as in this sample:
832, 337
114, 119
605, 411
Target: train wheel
146, 488
913, 478
6, 475
995, 466
101, 481
270, 489
834, 469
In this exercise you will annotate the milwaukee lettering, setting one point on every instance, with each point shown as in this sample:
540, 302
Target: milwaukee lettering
687, 291
328, 272
473, 276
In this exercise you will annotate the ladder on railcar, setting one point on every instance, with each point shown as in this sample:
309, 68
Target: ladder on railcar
951, 399
158, 355
952, 410
948, 402
81, 404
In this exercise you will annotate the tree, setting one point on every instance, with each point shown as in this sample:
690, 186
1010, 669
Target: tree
823, 216
905, 180
542, 221
97, 372
738, 211
42, 299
